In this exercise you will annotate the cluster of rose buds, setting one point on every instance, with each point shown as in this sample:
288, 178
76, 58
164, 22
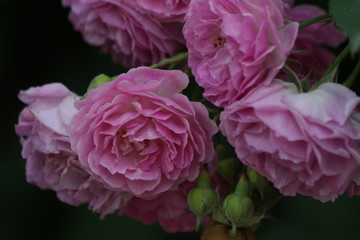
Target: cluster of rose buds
242, 204
137, 145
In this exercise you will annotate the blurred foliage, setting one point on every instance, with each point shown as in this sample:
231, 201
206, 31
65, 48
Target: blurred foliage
345, 14
38, 45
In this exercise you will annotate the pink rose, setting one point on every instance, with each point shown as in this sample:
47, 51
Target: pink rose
50, 163
236, 45
313, 40
133, 35
169, 208
306, 143
168, 10
354, 187
137, 134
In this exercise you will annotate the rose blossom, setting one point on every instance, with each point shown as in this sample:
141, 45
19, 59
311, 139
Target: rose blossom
313, 40
51, 164
132, 33
236, 45
167, 10
138, 134
354, 187
306, 143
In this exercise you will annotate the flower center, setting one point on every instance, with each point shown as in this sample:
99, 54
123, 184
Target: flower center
220, 41
131, 149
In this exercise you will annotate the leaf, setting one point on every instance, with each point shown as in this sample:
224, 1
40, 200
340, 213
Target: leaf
346, 15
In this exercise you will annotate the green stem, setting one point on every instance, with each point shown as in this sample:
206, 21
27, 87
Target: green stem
314, 20
177, 58
351, 79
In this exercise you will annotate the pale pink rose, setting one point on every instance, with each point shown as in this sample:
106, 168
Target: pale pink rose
306, 143
50, 163
236, 45
138, 134
131, 34
314, 41
169, 208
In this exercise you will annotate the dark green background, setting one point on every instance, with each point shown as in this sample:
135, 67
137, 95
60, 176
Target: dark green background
38, 46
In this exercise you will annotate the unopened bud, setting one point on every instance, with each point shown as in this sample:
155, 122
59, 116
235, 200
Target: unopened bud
201, 202
257, 180
228, 168
202, 199
204, 180
243, 187
222, 152
238, 209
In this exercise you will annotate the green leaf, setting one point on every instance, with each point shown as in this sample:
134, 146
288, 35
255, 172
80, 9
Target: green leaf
346, 15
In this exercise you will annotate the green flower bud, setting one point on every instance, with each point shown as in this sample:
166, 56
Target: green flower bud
228, 168
257, 180
201, 202
238, 209
221, 151
204, 180
243, 187
202, 199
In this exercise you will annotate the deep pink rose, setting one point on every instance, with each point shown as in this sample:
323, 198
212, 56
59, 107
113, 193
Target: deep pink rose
133, 35
236, 45
138, 134
169, 208
306, 143
313, 41
50, 163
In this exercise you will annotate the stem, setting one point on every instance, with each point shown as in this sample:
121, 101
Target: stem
314, 20
351, 79
198, 223
177, 58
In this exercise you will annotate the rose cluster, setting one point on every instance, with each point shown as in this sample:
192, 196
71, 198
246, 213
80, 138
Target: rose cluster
303, 142
133, 139
136, 144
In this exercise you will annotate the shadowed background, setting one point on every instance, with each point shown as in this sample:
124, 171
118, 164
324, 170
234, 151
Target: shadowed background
38, 45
